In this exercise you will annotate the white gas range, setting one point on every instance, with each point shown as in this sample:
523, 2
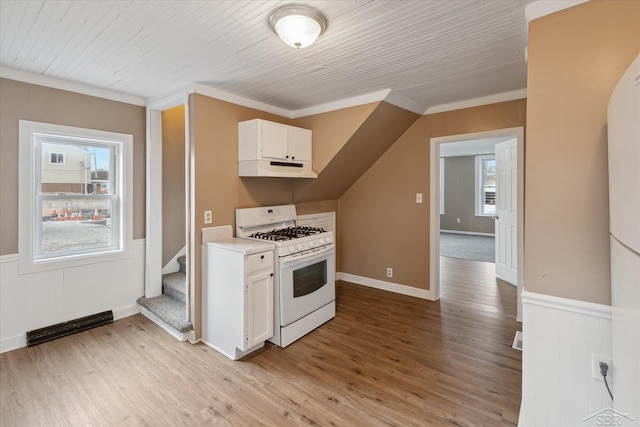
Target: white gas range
305, 269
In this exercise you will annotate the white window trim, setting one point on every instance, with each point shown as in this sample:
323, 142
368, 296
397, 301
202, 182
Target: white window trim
26, 200
478, 184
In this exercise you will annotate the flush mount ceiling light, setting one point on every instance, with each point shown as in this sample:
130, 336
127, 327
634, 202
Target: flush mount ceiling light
297, 26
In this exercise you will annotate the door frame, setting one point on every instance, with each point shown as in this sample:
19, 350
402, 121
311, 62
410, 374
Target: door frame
434, 205
153, 238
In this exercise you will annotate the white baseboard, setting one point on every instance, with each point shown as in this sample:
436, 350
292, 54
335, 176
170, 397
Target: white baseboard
13, 343
123, 312
470, 233
386, 286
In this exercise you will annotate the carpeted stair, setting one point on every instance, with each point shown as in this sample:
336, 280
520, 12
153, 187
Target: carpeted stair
170, 307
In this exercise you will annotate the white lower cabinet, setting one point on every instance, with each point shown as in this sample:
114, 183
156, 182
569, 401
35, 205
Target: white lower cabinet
237, 316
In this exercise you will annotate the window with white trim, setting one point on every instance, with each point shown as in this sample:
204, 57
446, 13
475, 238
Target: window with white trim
485, 193
75, 196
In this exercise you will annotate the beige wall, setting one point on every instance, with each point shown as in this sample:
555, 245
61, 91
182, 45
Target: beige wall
380, 224
365, 145
219, 188
460, 197
23, 101
173, 183
576, 56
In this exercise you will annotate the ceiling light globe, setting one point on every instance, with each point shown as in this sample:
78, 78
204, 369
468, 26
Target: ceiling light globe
298, 31
298, 26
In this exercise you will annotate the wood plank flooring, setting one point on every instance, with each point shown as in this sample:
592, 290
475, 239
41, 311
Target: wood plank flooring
385, 360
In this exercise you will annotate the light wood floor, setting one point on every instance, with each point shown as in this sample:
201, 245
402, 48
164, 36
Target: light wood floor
386, 359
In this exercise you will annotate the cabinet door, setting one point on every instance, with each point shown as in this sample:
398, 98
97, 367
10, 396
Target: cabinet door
274, 141
300, 144
259, 309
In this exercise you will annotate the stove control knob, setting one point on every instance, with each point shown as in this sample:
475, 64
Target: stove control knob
292, 249
300, 246
329, 239
312, 244
321, 240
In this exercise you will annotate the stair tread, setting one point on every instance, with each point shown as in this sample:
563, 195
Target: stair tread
175, 281
169, 310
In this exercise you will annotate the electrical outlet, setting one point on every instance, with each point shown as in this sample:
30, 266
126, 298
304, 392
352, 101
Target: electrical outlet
418, 197
208, 217
458, 220
595, 367
389, 272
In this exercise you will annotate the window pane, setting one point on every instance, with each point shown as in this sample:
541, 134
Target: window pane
488, 195
75, 168
72, 225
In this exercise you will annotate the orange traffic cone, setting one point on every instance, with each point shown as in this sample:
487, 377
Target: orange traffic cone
73, 216
95, 215
79, 215
66, 217
59, 217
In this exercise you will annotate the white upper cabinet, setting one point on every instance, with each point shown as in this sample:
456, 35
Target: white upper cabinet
273, 149
274, 138
299, 144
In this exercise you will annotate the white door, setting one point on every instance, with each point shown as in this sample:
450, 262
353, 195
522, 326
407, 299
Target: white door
506, 211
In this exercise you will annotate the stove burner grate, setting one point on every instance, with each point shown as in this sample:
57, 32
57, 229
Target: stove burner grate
288, 233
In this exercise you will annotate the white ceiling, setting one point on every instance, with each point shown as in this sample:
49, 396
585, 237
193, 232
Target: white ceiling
427, 52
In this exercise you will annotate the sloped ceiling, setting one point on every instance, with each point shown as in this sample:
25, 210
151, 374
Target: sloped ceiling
378, 132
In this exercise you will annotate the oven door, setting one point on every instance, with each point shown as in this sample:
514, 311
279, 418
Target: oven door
307, 283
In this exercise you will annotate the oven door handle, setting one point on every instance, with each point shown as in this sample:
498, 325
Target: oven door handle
309, 254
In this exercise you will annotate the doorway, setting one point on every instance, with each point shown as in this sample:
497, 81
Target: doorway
168, 206
451, 144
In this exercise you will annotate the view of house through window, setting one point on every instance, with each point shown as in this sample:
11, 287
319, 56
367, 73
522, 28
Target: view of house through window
76, 200
485, 185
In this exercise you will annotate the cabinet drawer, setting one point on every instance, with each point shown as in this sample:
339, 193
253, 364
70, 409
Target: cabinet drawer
261, 261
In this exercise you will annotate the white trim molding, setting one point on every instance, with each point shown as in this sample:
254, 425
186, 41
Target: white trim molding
174, 98
566, 304
477, 102
385, 286
561, 337
213, 92
84, 89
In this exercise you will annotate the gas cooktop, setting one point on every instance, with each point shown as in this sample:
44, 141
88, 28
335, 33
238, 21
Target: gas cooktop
289, 233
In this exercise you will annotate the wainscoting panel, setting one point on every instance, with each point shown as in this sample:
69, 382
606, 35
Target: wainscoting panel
559, 338
35, 300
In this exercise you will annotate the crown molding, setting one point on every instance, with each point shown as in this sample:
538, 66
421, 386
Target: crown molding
54, 83
541, 8
477, 102
354, 101
210, 91
176, 98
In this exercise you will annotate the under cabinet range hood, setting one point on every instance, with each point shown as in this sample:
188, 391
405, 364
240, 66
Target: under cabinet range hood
276, 169
274, 150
